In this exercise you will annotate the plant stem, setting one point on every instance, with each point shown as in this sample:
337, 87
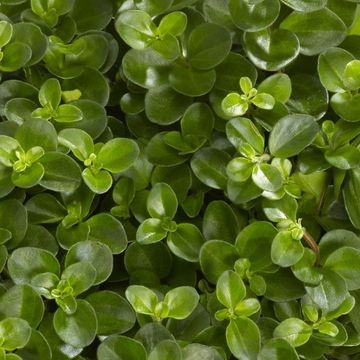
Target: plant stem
312, 244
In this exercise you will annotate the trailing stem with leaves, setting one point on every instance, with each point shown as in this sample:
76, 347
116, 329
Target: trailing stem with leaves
179, 179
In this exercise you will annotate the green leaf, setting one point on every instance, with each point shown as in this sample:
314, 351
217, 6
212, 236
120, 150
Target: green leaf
113, 312
345, 157
277, 85
217, 256
209, 166
267, 177
50, 93
136, 65
351, 75
165, 106
295, 331
194, 351
286, 251
243, 338
162, 201
91, 15
231, 70
94, 119
6, 32
15, 303
37, 347
136, 28
62, 173
108, 230
221, 221
277, 349
15, 56
335, 239
317, 31
166, 350
230, 289
346, 105
96, 253
168, 46
78, 141
283, 286
29, 177
145, 259
292, 134
68, 113
121, 348
305, 269
31, 35
181, 302
198, 120
351, 190
271, 50
253, 17
263, 101
78, 329
234, 105
186, 242
278, 210
344, 261
24, 263
330, 293
153, 7
173, 23
81, 276
142, 299
190, 81
150, 231
254, 243
119, 154
36, 132
305, 5
208, 45
15, 333
331, 67
99, 182
13, 217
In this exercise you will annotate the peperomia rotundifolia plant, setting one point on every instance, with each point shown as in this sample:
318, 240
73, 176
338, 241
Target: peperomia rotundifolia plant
179, 179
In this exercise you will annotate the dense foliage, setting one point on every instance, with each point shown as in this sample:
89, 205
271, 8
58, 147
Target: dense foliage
179, 179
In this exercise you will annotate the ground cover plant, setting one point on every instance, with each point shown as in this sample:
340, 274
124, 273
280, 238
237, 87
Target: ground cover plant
179, 179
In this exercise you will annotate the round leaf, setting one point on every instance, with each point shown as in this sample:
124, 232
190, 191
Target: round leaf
292, 134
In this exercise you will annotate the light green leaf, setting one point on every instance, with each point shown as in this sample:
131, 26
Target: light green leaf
267, 177
136, 28
186, 242
142, 299
173, 23
15, 333
230, 289
78, 141
234, 105
6, 32
50, 93
295, 331
119, 154
181, 302
286, 251
243, 338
